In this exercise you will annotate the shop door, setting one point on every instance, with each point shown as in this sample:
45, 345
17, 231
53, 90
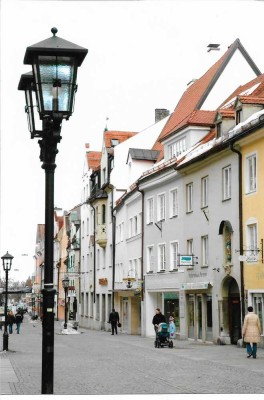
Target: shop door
125, 316
200, 317
235, 319
191, 319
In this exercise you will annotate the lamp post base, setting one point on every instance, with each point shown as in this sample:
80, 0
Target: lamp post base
5, 341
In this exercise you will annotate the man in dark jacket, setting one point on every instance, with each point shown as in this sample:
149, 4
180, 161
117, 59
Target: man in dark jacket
19, 319
158, 318
114, 320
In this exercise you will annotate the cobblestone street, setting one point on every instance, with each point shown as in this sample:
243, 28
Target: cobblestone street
97, 363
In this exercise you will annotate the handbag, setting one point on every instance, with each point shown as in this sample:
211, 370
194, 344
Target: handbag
119, 324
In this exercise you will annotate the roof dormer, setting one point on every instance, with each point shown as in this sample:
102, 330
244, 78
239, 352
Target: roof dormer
224, 121
245, 106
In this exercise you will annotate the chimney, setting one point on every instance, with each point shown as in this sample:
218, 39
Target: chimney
161, 113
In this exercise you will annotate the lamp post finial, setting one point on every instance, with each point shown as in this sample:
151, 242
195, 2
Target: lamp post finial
54, 31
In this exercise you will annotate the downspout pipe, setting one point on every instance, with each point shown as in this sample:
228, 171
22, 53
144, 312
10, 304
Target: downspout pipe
94, 266
113, 252
242, 283
142, 242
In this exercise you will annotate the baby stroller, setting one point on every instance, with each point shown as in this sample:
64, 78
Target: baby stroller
162, 336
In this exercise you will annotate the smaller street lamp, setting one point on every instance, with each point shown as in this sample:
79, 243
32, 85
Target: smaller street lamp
65, 284
7, 263
33, 302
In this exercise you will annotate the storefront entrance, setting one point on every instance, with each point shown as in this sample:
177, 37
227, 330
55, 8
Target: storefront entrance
199, 311
230, 311
171, 308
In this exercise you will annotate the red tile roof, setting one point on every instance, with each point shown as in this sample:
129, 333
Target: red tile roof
227, 113
93, 159
251, 100
119, 135
255, 88
193, 98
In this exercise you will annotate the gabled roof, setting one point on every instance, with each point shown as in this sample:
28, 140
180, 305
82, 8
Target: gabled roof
118, 135
194, 97
93, 159
143, 154
254, 88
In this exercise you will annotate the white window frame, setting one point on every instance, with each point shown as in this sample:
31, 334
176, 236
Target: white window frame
189, 246
252, 241
189, 197
226, 182
174, 251
205, 251
161, 256
150, 258
150, 210
176, 148
204, 191
130, 228
251, 173
174, 203
161, 206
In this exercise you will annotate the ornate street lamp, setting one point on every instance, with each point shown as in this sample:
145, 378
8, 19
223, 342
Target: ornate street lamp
7, 263
54, 64
65, 284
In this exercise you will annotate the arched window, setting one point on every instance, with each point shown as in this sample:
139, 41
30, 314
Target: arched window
226, 230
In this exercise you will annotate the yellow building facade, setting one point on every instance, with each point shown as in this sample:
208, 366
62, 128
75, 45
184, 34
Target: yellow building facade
252, 151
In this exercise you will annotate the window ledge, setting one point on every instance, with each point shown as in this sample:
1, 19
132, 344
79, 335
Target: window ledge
174, 216
174, 270
204, 266
161, 271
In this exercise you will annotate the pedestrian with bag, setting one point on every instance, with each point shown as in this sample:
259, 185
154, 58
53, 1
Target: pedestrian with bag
114, 320
10, 321
251, 332
18, 320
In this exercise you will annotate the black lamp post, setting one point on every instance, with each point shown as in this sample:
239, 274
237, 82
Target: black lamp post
53, 85
7, 262
65, 284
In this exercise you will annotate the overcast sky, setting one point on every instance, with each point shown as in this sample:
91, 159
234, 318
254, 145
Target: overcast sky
141, 56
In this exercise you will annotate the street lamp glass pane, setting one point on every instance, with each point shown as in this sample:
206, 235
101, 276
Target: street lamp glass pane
56, 76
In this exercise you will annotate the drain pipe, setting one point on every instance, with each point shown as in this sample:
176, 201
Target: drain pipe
142, 243
94, 258
113, 251
242, 283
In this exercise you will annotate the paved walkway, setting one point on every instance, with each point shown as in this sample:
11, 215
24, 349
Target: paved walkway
217, 367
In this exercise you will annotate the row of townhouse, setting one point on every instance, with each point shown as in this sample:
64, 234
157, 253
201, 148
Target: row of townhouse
172, 216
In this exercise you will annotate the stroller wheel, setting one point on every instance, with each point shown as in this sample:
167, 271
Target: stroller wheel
171, 344
155, 343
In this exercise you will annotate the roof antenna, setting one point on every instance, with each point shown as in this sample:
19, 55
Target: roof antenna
213, 46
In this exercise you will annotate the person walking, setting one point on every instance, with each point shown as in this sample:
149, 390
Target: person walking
158, 318
114, 320
172, 328
251, 332
18, 320
10, 321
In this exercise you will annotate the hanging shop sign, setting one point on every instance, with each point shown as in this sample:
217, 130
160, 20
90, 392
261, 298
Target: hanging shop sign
186, 260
